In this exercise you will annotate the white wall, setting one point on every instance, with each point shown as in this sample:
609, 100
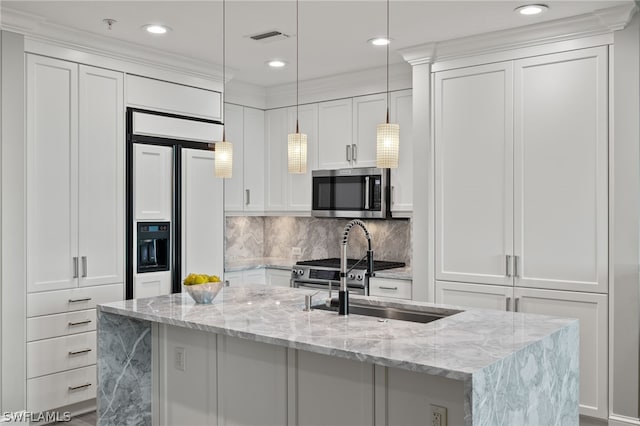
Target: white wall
12, 260
625, 204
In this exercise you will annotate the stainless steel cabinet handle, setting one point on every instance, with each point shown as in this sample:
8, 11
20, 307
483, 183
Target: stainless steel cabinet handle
348, 152
517, 304
84, 266
81, 351
388, 288
84, 299
516, 260
508, 265
75, 266
354, 150
73, 324
248, 196
86, 385
393, 195
508, 307
366, 193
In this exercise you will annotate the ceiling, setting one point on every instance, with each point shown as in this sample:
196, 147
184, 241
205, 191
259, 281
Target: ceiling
333, 34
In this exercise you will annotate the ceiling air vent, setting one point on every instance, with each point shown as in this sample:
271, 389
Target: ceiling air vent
269, 36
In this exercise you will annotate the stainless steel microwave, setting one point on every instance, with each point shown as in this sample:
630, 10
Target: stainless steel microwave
351, 193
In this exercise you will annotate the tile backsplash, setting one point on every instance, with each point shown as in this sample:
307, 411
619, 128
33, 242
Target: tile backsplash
317, 238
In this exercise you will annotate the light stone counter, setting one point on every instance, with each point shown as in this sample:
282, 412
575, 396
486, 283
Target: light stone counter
516, 368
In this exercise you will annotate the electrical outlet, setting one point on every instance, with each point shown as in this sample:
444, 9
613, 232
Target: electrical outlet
180, 362
296, 251
439, 415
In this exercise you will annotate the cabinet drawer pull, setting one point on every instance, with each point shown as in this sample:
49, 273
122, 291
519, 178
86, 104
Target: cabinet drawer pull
75, 266
248, 196
84, 266
508, 307
84, 299
72, 324
81, 351
86, 385
387, 288
517, 304
348, 152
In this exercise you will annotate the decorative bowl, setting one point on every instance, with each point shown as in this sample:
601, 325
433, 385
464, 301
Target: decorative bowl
204, 293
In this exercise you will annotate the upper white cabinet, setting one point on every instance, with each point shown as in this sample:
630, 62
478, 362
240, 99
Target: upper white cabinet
335, 133
521, 177
286, 191
402, 178
157, 95
152, 181
244, 192
368, 112
75, 191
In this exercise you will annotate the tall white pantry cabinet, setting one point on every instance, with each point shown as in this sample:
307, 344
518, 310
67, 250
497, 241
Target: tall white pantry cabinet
521, 195
75, 222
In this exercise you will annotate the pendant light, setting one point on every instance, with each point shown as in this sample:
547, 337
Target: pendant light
297, 142
223, 163
387, 134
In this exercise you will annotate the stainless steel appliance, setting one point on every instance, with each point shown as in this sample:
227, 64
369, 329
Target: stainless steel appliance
351, 193
319, 273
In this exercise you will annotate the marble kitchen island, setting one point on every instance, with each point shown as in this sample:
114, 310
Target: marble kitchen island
254, 357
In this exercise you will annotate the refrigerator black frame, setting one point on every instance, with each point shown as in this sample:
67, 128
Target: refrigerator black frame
176, 219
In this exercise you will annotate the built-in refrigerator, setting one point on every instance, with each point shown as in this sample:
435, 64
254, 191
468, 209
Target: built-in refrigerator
175, 209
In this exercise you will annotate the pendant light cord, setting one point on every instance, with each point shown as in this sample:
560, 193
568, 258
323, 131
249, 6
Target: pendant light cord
388, 43
224, 60
297, 66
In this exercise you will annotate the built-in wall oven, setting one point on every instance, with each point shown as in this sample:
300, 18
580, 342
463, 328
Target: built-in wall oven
318, 274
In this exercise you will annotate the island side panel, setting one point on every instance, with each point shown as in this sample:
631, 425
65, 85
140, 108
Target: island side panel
124, 370
538, 385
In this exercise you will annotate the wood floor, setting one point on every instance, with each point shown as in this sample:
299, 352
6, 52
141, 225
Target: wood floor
89, 419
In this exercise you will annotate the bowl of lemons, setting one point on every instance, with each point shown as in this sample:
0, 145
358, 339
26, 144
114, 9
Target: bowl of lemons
202, 288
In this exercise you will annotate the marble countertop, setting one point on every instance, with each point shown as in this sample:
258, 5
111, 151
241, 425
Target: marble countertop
456, 346
287, 263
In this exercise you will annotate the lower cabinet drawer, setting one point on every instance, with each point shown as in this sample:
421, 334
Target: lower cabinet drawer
57, 390
75, 299
60, 353
386, 287
57, 325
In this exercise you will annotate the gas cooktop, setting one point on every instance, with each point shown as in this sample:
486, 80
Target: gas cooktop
378, 265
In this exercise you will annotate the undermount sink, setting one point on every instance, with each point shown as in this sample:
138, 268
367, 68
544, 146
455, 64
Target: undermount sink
388, 312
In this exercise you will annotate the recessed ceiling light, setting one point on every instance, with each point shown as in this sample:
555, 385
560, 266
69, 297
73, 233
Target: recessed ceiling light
532, 9
276, 63
379, 41
156, 29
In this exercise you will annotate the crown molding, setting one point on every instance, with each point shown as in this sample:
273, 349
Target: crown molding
599, 22
344, 85
39, 32
246, 94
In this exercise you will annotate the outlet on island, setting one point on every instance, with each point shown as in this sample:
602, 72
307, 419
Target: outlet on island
439, 415
296, 251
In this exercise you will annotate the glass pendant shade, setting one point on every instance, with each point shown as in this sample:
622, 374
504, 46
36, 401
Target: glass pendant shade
297, 152
387, 146
223, 159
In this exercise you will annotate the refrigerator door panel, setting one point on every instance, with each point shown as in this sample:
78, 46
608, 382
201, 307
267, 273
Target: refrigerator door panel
152, 182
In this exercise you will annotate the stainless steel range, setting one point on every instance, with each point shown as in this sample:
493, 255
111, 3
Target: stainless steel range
319, 273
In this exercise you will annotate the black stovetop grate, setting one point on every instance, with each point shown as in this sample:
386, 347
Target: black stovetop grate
378, 265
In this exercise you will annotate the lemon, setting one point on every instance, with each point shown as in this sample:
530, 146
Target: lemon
189, 280
199, 280
214, 279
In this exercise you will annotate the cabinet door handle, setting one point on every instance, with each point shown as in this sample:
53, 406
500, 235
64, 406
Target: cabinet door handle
247, 196
388, 288
81, 351
508, 307
393, 195
516, 304
348, 152
354, 150
73, 324
516, 260
508, 265
86, 385
84, 299
75, 266
84, 266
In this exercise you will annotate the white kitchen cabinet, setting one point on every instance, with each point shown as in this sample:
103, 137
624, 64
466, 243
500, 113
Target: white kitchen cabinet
389, 287
278, 277
276, 129
474, 201
152, 181
244, 192
402, 178
521, 178
335, 133
75, 189
247, 277
202, 214
368, 112
561, 170
591, 309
